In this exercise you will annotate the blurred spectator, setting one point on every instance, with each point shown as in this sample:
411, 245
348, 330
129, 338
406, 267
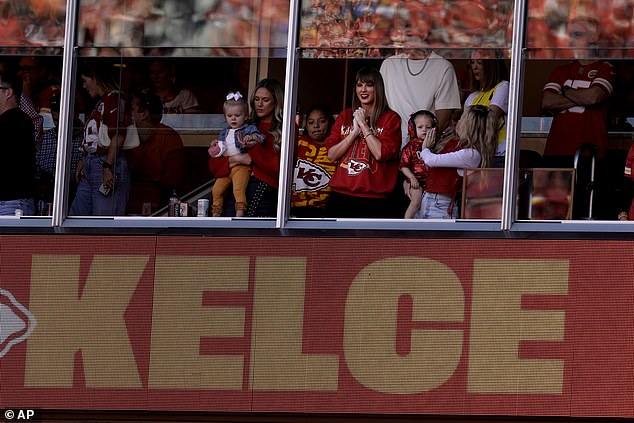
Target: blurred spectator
26, 105
47, 156
102, 174
17, 168
577, 95
174, 98
157, 165
37, 81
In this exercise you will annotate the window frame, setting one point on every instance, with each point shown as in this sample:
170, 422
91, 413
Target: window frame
60, 220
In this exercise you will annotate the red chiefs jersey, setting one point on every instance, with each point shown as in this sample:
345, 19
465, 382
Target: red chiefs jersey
311, 174
579, 124
358, 172
410, 158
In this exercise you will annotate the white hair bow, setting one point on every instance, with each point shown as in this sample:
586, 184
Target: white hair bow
234, 96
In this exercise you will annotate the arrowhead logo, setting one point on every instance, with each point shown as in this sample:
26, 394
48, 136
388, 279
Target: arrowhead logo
356, 167
309, 176
16, 322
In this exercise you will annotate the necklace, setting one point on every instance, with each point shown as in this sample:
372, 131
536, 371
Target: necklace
421, 69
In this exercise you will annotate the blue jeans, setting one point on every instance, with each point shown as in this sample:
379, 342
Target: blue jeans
437, 206
8, 207
89, 201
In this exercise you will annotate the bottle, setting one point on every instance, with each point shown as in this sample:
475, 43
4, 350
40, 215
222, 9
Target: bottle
173, 209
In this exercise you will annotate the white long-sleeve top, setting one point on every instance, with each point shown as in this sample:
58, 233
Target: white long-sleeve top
462, 159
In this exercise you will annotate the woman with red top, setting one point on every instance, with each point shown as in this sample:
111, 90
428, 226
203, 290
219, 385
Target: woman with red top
264, 158
473, 145
364, 142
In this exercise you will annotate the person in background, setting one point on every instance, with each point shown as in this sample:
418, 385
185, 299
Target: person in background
102, 174
175, 98
17, 170
412, 165
626, 200
47, 155
233, 140
577, 96
473, 146
364, 143
313, 169
421, 80
26, 105
266, 113
157, 164
38, 83
490, 78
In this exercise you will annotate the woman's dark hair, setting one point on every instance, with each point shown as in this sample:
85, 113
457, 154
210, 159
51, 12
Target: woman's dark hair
323, 109
371, 75
493, 72
105, 74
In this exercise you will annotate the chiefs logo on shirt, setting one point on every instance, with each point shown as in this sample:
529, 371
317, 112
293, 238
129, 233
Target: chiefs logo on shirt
309, 176
356, 167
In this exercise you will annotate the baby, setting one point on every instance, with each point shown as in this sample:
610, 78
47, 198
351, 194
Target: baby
232, 141
411, 163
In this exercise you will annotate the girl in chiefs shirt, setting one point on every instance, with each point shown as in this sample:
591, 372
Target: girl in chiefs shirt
364, 142
472, 146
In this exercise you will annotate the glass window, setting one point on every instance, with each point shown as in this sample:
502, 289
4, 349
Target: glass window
425, 61
167, 78
578, 103
30, 69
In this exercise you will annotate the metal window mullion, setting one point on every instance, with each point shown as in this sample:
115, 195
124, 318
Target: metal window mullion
66, 113
288, 126
513, 123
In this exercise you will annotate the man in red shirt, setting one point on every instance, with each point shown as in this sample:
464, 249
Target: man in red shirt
157, 164
577, 94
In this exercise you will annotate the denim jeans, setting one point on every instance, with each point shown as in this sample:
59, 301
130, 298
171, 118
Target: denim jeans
89, 201
437, 206
8, 207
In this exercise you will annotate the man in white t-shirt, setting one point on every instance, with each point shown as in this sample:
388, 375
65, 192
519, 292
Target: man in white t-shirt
426, 82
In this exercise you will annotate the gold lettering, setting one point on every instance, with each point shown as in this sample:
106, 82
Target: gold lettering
277, 360
180, 320
498, 324
93, 323
371, 317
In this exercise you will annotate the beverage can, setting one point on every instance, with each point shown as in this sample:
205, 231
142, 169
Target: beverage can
203, 207
183, 210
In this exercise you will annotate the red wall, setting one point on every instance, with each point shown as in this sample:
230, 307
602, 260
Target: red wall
372, 325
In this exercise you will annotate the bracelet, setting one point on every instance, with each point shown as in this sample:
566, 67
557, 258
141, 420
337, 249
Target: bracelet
107, 165
370, 132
